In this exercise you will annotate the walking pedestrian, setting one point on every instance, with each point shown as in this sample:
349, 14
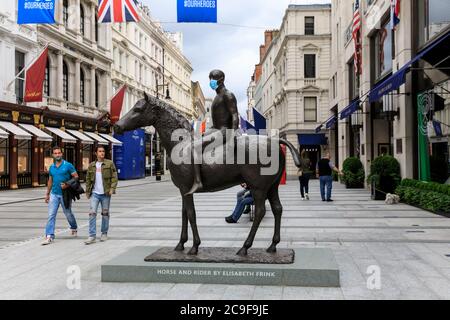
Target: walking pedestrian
101, 184
60, 172
304, 175
324, 171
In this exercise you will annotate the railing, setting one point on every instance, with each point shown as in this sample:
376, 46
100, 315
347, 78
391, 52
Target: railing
43, 179
24, 180
4, 182
310, 82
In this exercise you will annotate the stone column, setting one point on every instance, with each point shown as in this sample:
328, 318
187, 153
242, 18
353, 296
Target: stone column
74, 6
59, 77
76, 85
93, 88
93, 26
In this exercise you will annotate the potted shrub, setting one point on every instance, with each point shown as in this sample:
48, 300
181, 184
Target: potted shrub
384, 176
354, 175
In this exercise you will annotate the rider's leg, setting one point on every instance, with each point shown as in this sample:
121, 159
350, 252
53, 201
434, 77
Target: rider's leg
197, 185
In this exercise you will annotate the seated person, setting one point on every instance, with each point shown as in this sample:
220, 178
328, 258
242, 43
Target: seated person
240, 194
244, 198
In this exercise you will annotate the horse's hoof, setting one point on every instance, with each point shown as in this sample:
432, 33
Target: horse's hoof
179, 247
242, 252
193, 251
272, 249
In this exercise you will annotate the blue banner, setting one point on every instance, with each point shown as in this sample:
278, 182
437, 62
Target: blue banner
197, 11
36, 11
437, 128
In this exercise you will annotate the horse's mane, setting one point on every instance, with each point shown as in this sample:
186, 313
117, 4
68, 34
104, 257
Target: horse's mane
173, 114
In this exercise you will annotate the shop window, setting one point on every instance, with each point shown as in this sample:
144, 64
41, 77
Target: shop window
24, 157
4, 157
87, 152
48, 158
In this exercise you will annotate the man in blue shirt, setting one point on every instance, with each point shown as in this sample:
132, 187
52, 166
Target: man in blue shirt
60, 172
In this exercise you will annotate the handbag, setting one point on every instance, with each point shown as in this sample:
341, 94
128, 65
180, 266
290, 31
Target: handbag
300, 173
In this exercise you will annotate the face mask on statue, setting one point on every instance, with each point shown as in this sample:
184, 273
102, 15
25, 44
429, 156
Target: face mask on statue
214, 84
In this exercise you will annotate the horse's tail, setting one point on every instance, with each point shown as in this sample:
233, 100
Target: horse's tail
294, 152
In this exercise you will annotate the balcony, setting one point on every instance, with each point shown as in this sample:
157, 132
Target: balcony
310, 82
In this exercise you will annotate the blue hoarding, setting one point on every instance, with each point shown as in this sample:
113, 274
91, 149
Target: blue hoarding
197, 10
129, 158
35, 11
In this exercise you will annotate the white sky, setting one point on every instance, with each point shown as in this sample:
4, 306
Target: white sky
234, 50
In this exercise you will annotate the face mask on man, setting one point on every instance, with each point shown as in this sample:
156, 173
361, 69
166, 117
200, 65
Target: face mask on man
214, 84
57, 159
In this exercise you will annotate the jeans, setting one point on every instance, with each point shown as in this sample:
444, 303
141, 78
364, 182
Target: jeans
240, 205
96, 200
304, 183
328, 182
53, 206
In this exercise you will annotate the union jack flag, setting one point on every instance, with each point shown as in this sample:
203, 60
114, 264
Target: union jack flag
395, 13
356, 32
117, 11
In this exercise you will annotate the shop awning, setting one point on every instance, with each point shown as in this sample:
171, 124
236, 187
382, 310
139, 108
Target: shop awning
18, 132
330, 122
350, 109
67, 138
399, 78
81, 136
4, 134
97, 138
41, 135
312, 139
111, 139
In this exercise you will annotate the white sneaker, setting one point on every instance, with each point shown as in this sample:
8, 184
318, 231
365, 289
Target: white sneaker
90, 240
104, 237
47, 241
303, 199
307, 196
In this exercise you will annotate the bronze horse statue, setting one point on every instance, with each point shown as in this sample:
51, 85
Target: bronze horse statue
216, 177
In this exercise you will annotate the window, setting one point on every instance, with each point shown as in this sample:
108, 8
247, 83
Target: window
97, 91
383, 50
65, 13
82, 87
353, 81
309, 25
310, 109
82, 20
47, 79
4, 157
433, 18
65, 82
20, 80
310, 66
96, 25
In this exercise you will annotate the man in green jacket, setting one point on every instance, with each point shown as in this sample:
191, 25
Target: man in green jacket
101, 184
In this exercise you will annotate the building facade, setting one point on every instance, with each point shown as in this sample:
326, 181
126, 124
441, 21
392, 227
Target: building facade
292, 90
402, 89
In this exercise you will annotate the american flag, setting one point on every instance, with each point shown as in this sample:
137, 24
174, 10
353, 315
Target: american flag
395, 13
356, 32
117, 11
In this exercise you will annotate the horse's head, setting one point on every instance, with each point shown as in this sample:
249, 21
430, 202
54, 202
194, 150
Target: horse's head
141, 115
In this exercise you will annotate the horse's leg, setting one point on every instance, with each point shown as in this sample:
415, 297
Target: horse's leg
188, 200
259, 198
184, 229
277, 210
